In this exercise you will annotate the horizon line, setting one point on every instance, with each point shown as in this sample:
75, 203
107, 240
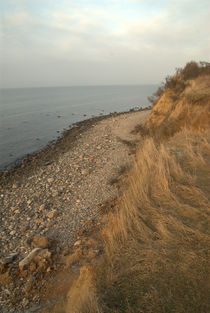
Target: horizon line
69, 86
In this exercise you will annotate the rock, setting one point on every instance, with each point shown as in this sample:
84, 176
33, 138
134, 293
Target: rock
5, 279
50, 180
43, 258
39, 221
2, 267
55, 193
84, 172
81, 233
29, 285
9, 259
25, 302
52, 214
24, 228
32, 267
26, 261
37, 256
40, 242
42, 207
77, 243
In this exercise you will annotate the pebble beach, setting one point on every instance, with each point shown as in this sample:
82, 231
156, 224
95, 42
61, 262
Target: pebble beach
55, 192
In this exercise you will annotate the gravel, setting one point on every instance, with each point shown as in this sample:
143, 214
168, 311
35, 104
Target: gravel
56, 198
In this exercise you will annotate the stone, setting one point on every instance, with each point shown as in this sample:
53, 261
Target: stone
77, 243
82, 232
55, 193
39, 221
24, 228
37, 256
25, 302
32, 267
9, 259
40, 242
29, 285
50, 180
52, 214
43, 258
26, 261
5, 279
2, 267
42, 207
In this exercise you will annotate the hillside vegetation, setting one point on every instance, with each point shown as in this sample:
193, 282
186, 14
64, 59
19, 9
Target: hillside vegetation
183, 101
157, 241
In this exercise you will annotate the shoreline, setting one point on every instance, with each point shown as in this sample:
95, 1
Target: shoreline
61, 200
47, 155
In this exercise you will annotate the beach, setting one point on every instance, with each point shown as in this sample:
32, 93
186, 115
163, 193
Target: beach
55, 192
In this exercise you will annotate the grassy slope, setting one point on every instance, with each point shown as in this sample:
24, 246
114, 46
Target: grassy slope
157, 245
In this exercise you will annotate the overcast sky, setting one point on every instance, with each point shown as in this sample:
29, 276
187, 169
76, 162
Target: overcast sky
99, 42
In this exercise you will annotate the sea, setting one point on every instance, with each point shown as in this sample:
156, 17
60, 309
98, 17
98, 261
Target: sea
30, 118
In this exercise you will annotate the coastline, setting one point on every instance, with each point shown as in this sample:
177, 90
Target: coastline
60, 194
45, 156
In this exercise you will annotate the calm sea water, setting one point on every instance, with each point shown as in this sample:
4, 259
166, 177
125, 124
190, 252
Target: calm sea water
31, 118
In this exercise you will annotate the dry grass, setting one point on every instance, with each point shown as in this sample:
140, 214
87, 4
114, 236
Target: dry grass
157, 245
82, 297
157, 242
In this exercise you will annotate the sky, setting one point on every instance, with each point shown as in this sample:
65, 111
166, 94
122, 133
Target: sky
99, 42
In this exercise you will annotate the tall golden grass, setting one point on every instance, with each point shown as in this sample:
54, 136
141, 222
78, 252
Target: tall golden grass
157, 242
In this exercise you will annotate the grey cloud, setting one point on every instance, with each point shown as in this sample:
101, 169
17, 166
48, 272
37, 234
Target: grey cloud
79, 47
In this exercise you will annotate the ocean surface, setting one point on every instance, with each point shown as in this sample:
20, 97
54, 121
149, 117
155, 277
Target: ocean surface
30, 118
